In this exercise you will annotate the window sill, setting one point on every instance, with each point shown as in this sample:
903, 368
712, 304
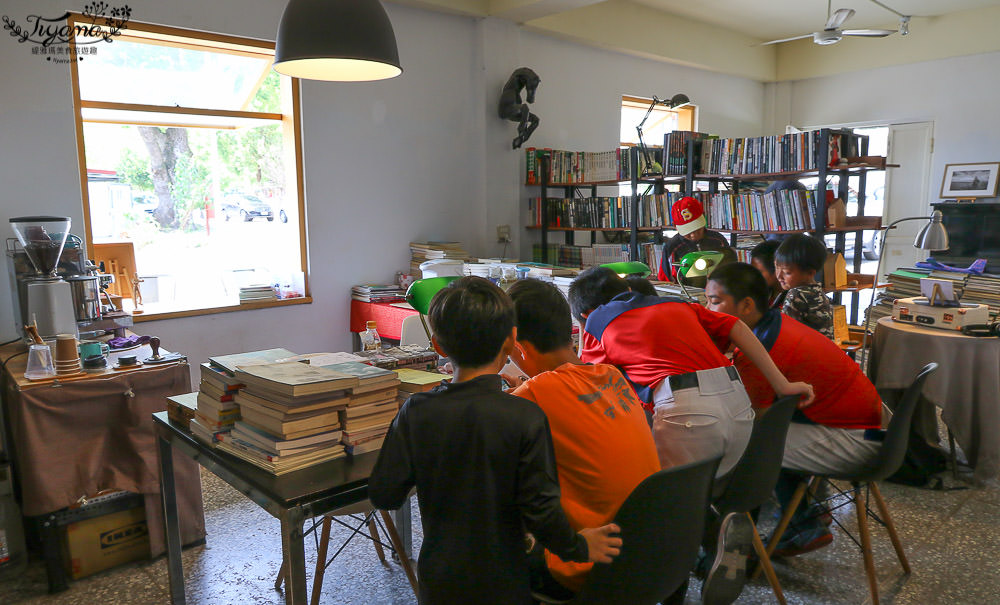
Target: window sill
148, 316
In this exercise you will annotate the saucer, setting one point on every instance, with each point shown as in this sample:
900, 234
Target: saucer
118, 366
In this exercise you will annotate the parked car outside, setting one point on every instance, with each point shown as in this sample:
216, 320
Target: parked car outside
146, 202
245, 206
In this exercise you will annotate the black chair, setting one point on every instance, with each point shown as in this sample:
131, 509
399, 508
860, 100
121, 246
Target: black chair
888, 461
661, 527
755, 475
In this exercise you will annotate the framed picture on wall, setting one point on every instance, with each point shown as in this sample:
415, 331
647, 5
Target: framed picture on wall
970, 180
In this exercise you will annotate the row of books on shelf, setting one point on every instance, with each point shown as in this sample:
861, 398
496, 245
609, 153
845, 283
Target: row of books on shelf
581, 256
283, 412
577, 166
793, 152
905, 283
784, 210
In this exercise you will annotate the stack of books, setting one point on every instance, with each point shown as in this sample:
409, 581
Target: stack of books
983, 289
290, 416
417, 381
902, 283
216, 411
413, 356
378, 293
257, 293
424, 251
371, 406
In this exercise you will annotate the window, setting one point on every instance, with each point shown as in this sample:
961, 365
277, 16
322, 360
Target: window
191, 168
660, 121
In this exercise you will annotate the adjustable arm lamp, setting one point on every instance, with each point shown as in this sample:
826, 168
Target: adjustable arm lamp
933, 236
678, 100
700, 263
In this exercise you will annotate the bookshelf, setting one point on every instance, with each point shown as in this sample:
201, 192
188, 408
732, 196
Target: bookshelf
726, 166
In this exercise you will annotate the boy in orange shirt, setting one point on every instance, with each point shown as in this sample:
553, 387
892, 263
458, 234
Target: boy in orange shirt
603, 445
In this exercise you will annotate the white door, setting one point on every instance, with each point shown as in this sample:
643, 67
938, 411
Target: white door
906, 191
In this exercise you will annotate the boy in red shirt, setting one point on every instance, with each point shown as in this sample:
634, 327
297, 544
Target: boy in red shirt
602, 443
671, 350
839, 432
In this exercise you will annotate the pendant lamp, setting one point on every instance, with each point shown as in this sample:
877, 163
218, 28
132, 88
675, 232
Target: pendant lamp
336, 40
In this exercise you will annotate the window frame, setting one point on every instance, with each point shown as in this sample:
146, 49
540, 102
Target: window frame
149, 33
686, 116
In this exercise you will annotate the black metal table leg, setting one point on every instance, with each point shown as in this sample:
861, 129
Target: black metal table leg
293, 550
171, 522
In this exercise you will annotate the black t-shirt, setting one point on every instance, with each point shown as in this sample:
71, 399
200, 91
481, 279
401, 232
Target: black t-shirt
485, 472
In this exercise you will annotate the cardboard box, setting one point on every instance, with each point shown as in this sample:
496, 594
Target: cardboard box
834, 271
97, 544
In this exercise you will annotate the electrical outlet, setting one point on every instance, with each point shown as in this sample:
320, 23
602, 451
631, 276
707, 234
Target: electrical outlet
503, 233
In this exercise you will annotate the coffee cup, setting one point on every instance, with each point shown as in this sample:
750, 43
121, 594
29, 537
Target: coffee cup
66, 347
90, 349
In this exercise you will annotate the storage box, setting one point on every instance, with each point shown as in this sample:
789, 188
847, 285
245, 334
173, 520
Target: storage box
97, 544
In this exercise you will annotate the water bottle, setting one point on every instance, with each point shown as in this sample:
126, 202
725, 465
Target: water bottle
13, 553
370, 340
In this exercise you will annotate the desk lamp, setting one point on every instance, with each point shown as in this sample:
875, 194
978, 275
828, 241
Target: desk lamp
629, 268
678, 100
933, 236
421, 292
700, 263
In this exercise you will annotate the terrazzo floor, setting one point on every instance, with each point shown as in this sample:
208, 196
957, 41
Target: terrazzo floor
952, 539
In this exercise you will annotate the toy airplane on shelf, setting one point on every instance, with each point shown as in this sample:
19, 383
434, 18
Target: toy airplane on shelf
976, 268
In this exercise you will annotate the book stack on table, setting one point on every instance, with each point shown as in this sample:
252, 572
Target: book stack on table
371, 407
289, 416
417, 381
378, 293
216, 412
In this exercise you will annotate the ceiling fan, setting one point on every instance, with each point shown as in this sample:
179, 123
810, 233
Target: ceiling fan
832, 33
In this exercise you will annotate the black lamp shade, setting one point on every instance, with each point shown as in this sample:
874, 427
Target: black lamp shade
336, 40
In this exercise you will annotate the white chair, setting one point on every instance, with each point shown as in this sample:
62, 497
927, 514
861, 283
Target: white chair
412, 332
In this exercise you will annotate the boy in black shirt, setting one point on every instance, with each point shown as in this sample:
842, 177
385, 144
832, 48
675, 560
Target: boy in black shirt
482, 462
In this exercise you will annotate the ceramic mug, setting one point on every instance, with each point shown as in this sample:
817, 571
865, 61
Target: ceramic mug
89, 349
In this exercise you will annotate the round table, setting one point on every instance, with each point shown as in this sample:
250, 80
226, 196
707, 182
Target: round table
966, 386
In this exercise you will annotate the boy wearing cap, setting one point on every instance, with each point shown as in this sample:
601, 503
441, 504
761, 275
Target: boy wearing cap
692, 235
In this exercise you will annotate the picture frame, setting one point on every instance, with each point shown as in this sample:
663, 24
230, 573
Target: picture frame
978, 179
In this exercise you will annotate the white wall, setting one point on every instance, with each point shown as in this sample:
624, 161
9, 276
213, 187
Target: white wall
423, 156
385, 163
958, 95
579, 102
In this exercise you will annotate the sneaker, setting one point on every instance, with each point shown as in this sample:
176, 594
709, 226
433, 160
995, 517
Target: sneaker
802, 542
728, 574
821, 513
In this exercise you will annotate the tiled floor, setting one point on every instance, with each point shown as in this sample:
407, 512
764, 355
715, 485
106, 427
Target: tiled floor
951, 538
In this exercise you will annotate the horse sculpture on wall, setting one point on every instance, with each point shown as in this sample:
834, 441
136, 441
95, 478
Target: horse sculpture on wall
511, 108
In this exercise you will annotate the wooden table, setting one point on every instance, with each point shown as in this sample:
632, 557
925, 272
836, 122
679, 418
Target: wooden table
290, 498
70, 438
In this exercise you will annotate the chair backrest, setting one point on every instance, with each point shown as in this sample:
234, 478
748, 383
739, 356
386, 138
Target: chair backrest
661, 528
420, 292
412, 332
755, 475
897, 436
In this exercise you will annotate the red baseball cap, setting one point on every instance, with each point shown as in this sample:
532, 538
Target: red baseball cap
688, 215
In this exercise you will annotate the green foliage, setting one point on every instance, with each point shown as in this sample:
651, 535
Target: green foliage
190, 188
133, 169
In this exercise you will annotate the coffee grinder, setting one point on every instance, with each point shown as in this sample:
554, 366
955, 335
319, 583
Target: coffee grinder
44, 297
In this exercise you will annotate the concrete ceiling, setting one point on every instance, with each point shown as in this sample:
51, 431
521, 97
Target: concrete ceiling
675, 31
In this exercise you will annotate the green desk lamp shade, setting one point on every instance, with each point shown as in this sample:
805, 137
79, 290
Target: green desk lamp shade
420, 292
700, 263
629, 268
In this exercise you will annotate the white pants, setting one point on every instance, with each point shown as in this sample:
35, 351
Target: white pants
824, 450
702, 422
